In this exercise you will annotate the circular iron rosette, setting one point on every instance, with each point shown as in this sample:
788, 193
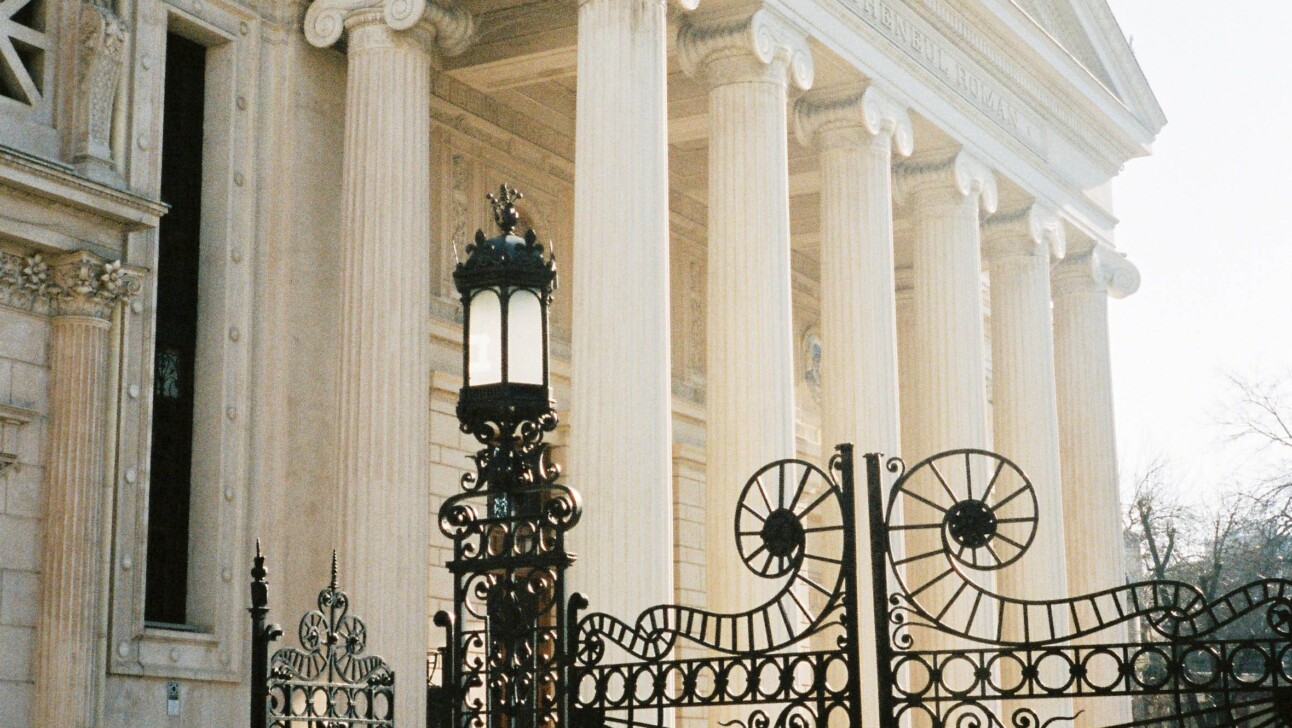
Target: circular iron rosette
971, 506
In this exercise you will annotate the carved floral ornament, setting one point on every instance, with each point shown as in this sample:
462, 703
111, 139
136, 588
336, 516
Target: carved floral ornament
71, 284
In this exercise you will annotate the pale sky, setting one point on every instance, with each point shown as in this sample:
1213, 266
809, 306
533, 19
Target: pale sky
1206, 220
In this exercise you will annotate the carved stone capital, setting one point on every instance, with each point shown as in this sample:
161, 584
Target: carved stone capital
957, 176
1034, 229
86, 285
1099, 270
761, 46
452, 26
100, 38
829, 119
71, 284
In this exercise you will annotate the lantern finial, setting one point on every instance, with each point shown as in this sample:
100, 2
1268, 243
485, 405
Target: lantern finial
504, 208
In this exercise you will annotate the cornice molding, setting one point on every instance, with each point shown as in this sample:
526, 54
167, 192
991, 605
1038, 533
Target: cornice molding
828, 119
1033, 229
452, 25
79, 283
729, 48
1100, 270
960, 174
59, 184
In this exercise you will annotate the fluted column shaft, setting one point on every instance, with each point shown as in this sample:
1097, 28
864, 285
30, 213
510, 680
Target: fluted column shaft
949, 397
946, 389
1087, 439
382, 470
1018, 246
1025, 415
855, 134
621, 413
749, 398
69, 666
69, 617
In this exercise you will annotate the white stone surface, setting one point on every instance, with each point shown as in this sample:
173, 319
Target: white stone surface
383, 417
1087, 438
1019, 245
747, 62
856, 133
621, 436
945, 398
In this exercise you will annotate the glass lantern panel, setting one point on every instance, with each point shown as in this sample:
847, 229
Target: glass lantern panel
524, 338
484, 339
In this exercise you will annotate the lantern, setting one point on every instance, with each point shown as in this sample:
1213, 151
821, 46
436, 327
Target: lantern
506, 287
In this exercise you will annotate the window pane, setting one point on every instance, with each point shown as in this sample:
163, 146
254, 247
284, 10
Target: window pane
484, 338
524, 339
175, 346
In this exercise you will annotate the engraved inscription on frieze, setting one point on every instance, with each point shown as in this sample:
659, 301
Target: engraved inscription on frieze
934, 54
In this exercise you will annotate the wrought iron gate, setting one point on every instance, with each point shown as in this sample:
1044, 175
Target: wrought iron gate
979, 513
326, 683
792, 661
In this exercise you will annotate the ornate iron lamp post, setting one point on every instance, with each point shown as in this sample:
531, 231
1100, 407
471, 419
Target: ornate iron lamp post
506, 288
505, 649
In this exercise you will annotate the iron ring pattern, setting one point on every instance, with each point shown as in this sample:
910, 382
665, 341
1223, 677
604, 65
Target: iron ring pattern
329, 677
937, 495
792, 661
975, 511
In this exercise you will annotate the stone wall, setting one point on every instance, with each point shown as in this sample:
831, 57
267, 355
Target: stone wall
23, 379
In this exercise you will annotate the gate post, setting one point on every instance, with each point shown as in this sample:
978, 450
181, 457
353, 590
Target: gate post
261, 636
879, 601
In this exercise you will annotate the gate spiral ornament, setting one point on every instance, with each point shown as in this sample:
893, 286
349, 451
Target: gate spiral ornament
328, 681
790, 514
792, 660
966, 511
982, 506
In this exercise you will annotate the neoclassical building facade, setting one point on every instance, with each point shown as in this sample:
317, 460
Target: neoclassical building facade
227, 229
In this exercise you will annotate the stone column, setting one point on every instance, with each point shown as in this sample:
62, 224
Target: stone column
948, 379
383, 472
856, 133
1019, 245
1087, 440
69, 666
946, 382
747, 61
621, 433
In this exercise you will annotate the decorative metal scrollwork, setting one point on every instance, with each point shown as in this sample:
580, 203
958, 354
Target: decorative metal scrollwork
328, 682
966, 511
793, 660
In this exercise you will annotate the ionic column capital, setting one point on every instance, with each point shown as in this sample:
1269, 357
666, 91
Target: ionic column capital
960, 175
1033, 229
452, 26
834, 118
1102, 269
728, 48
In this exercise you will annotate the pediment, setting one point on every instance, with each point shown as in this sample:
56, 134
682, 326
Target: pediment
1087, 30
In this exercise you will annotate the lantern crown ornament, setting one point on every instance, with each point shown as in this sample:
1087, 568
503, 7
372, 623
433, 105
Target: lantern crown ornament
506, 284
